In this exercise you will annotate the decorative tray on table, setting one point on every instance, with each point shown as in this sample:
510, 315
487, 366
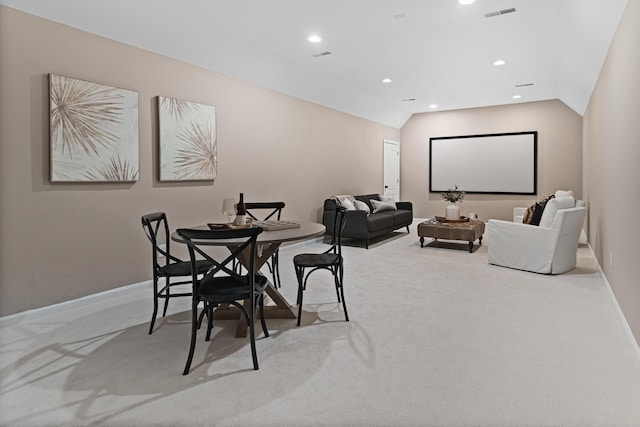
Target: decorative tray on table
229, 225
443, 219
271, 225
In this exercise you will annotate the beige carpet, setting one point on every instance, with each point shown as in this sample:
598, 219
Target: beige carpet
437, 337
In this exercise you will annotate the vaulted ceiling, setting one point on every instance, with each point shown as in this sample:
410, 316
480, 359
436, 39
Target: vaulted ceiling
436, 52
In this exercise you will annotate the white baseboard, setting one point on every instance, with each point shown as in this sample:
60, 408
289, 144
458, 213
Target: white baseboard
614, 301
78, 302
100, 296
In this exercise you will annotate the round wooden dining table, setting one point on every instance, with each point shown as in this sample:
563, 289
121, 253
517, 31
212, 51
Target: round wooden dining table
268, 243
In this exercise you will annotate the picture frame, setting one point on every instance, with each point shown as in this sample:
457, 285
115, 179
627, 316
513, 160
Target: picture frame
93, 132
188, 140
498, 163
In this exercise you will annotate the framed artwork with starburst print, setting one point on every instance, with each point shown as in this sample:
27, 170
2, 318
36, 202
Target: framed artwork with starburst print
93, 132
188, 146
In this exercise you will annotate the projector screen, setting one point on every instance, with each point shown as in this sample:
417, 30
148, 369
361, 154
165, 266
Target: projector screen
502, 163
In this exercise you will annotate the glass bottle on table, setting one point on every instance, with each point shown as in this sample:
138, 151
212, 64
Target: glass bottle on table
241, 212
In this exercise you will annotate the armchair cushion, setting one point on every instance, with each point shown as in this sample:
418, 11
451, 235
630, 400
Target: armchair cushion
564, 193
534, 213
552, 208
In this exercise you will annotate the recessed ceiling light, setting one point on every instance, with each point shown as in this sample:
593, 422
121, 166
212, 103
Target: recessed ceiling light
516, 96
466, 2
386, 80
433, 106
499, 62
314, 39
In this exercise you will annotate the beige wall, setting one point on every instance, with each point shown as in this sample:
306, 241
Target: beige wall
559, 153
59, 242
63, 241
612, 165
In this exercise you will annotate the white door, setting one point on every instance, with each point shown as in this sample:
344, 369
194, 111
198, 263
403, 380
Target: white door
392, 169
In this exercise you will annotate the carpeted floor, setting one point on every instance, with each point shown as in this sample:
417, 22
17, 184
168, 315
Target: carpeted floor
437, 337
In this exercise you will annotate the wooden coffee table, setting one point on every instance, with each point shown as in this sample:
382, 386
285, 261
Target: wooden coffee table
469, 231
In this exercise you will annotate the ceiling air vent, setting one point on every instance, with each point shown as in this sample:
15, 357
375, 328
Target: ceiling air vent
499, 12
318, 55
408, 99
524, 84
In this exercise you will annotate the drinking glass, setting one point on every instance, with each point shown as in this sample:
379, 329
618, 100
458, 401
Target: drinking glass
229, 209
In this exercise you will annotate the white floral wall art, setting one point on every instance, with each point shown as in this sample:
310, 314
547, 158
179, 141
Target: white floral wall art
188, 146
93, 132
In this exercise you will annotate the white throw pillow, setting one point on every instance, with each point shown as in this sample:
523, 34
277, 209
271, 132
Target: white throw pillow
563, 193
347, 204
362, 206
552, 207
347, 201
382, 206
386, 198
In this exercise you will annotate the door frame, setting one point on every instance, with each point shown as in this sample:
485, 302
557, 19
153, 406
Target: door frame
397, 144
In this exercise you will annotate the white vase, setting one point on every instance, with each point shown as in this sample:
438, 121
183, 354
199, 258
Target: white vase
453, 211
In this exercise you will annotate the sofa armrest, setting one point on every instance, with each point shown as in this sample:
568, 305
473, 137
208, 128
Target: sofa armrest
355, 223
521, 246
407, 206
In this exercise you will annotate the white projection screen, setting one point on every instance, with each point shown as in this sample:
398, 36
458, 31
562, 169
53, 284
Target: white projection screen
502, 163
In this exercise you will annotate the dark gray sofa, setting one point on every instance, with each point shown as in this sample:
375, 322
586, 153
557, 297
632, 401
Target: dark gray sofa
360, 225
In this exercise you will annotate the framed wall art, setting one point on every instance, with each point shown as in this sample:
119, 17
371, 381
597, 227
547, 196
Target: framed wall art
93, 131
188, 145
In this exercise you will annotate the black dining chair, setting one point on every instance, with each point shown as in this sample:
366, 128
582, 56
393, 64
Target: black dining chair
164, 265
330, 260
222, 285
273, 211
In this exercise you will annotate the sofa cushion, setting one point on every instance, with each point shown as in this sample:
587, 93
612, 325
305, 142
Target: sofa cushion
379, 206
367, 199
362, 206
402, 217
552, 207
379, 222
348, 205
383, 198
347, 201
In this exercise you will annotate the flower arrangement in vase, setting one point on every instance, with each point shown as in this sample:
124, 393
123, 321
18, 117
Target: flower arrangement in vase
453, 196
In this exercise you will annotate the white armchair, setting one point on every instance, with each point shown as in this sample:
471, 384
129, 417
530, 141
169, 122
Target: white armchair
549, 248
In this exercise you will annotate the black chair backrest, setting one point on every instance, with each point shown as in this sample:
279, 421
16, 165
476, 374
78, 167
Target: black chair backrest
339, 221
193, 238
275, 209
156, 227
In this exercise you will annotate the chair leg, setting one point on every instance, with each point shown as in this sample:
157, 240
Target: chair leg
209, 309
334, 272
299, 275
344, 303
262, 320
194, 329
408, 229
155, 303
276, 270
167, 296
252, 333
